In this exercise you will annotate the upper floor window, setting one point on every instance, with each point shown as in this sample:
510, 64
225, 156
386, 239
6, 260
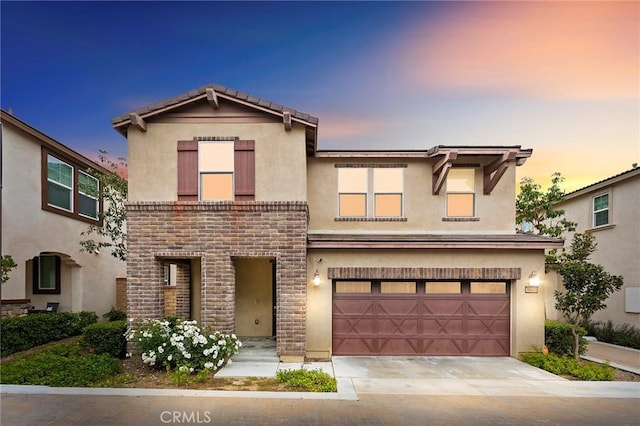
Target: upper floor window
60, 184
352, 192
215, 163
67, 190
461, 192
370, 192
601, 210
216, 169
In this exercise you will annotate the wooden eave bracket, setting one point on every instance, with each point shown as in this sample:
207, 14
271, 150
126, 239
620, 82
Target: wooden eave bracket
138, 122
212, 98
286, 120
494, 171
440, 171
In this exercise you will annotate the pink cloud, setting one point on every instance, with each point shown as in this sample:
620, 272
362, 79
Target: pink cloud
574, 50
339, 126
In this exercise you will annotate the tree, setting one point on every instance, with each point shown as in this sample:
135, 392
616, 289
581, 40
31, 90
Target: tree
111, 232
587, 285
539, 209
7, 265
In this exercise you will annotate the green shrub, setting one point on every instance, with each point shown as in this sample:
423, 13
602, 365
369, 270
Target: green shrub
115, 315
566, 365
106, 338
308, 380
559, 339
622, 334
60, 365
22, 333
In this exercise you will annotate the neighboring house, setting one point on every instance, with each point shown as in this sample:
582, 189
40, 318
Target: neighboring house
48, 199
609, 210
332, 252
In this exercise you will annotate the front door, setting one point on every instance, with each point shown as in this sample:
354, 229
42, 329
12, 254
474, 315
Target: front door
254, 297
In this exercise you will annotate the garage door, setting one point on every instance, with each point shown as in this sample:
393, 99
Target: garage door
421, 318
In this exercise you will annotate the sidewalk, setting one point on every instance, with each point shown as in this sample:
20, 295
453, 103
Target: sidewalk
622, 358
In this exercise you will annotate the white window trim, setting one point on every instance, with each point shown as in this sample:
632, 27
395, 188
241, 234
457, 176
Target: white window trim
96, 198
62, 185
594, 211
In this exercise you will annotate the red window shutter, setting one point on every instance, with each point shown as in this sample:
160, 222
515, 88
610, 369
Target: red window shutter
187, 170
245, 170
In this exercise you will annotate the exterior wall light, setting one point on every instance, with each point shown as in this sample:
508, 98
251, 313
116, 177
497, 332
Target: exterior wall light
316, 278
534, 283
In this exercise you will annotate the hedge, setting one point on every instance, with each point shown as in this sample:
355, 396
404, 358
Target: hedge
559, 339
22, 333
106, 338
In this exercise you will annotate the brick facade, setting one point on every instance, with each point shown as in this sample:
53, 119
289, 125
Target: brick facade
425, 273
216, 233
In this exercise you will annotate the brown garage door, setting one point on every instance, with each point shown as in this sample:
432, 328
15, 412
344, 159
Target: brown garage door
421, 318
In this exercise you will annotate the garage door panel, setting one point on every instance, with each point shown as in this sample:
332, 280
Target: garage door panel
443, 307
489, 347
443, 326
489, 307
398, 326
444, 347
398, 346
498, 327
353, 306
397, 307
353, 325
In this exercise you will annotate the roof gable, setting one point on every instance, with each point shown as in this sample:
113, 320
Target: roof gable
214, 94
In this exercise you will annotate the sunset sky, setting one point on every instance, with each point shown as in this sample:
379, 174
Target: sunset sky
562, 78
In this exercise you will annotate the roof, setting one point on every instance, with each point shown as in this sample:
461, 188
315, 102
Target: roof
212, 92
519, 154
628, 174
51, 143
436, 241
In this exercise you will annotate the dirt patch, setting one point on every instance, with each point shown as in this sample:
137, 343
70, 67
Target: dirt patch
136, 374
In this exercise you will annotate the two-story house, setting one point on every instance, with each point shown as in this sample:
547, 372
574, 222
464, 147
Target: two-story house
609, 210
48, 199
237, 220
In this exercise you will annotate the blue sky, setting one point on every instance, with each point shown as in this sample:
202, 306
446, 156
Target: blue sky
561, 78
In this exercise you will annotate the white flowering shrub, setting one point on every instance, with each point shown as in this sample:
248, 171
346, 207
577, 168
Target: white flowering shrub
182, 345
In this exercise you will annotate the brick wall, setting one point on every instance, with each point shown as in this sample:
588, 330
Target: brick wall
121, 294
216, 233
14, 307
183, 290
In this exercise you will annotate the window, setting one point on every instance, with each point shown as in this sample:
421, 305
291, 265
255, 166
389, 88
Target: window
460, 192
60, 184
601, 210
488, 287
387, 187
88, 196
370, 192
398, 287
222, 169
46, 274
433, 287
353, 287
215, 163
352, 189
67, 190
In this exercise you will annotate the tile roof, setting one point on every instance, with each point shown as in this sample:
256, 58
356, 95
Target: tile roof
178, 100
616, 178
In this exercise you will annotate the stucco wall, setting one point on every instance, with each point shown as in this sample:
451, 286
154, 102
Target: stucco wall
254, 309
88, 280
424, 211
527, 309
280, 158
618, 247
